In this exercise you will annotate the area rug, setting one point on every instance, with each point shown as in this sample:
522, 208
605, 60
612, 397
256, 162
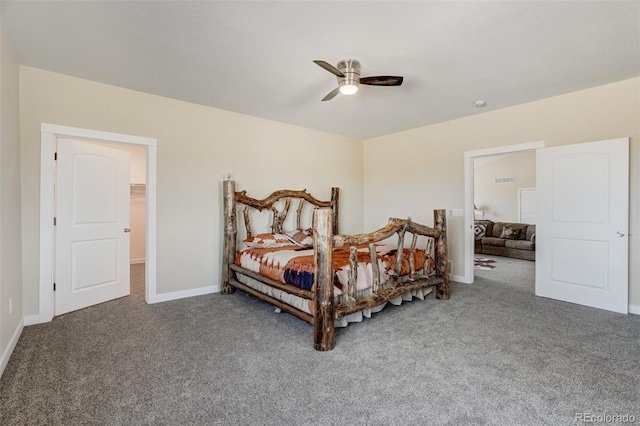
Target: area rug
483, 263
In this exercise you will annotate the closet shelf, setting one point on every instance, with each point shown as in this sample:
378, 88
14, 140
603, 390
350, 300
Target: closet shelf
137, 188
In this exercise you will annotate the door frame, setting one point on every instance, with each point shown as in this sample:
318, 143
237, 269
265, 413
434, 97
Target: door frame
49, 133
469, 156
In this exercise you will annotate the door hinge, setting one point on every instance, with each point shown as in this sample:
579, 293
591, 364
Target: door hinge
55, 156
54, 221
54, 286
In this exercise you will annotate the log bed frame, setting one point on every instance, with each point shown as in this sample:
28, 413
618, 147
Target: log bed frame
326, 237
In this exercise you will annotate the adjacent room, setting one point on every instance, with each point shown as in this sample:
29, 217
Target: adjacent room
372, 212
504, 209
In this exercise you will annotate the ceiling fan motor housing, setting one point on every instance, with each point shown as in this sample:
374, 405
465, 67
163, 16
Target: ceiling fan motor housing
351, 70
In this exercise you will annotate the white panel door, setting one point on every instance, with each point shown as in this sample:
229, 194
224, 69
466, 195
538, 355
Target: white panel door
527, 205
582, 248
92, 236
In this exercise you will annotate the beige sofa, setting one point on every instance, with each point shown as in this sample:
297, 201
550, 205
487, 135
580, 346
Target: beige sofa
505, 239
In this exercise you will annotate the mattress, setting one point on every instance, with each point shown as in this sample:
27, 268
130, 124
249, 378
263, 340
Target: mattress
294, 265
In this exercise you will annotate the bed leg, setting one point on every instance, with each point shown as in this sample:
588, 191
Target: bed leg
323, 336
443, 291
230, 230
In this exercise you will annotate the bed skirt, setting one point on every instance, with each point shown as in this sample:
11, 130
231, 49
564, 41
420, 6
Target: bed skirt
303, 304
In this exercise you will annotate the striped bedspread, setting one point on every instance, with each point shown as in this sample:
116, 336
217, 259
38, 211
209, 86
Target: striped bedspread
294, 265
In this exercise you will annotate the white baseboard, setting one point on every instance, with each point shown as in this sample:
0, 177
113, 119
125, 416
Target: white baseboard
634, 309
136, 261
4, 360
458, 278
174, 295
32, 320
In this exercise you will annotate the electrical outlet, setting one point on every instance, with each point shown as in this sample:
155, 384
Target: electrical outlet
449, 265
10, 305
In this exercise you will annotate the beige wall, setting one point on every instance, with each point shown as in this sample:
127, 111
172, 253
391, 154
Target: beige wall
10, 237
197, 146
431, 175
499, 201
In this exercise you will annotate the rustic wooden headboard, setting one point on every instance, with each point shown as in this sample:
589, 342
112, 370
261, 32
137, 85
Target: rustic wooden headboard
279, 216
280, 212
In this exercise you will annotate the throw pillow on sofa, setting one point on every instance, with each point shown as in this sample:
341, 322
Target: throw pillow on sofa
510, 232
479, 230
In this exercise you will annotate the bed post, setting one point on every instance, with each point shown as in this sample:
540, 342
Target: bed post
230, 229
335, 193
443, 291
323, 339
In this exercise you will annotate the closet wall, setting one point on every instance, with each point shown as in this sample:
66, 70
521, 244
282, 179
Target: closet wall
138, 223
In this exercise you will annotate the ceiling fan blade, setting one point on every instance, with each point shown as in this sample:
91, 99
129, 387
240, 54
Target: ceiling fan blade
331, 94
382, 80
327, 66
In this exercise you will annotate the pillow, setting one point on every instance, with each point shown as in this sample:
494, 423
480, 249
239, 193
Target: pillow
510, 232
302, 237
268, 240
479, 230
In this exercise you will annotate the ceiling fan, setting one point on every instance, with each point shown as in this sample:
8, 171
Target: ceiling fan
348, 74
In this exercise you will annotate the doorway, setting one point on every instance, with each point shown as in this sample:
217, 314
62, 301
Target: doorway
527, 205
470, 211
49, 139
504, 203
137, 213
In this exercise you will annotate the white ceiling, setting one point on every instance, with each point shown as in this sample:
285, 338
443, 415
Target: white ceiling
256, 58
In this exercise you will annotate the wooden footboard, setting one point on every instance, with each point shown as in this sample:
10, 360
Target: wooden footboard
326, 309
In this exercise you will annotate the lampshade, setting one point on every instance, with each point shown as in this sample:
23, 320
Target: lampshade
477, 213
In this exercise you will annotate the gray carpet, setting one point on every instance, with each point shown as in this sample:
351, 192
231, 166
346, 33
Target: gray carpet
493, 354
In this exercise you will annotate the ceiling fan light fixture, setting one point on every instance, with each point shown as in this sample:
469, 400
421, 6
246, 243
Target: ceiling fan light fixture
348, 89
347, 73
349, 83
